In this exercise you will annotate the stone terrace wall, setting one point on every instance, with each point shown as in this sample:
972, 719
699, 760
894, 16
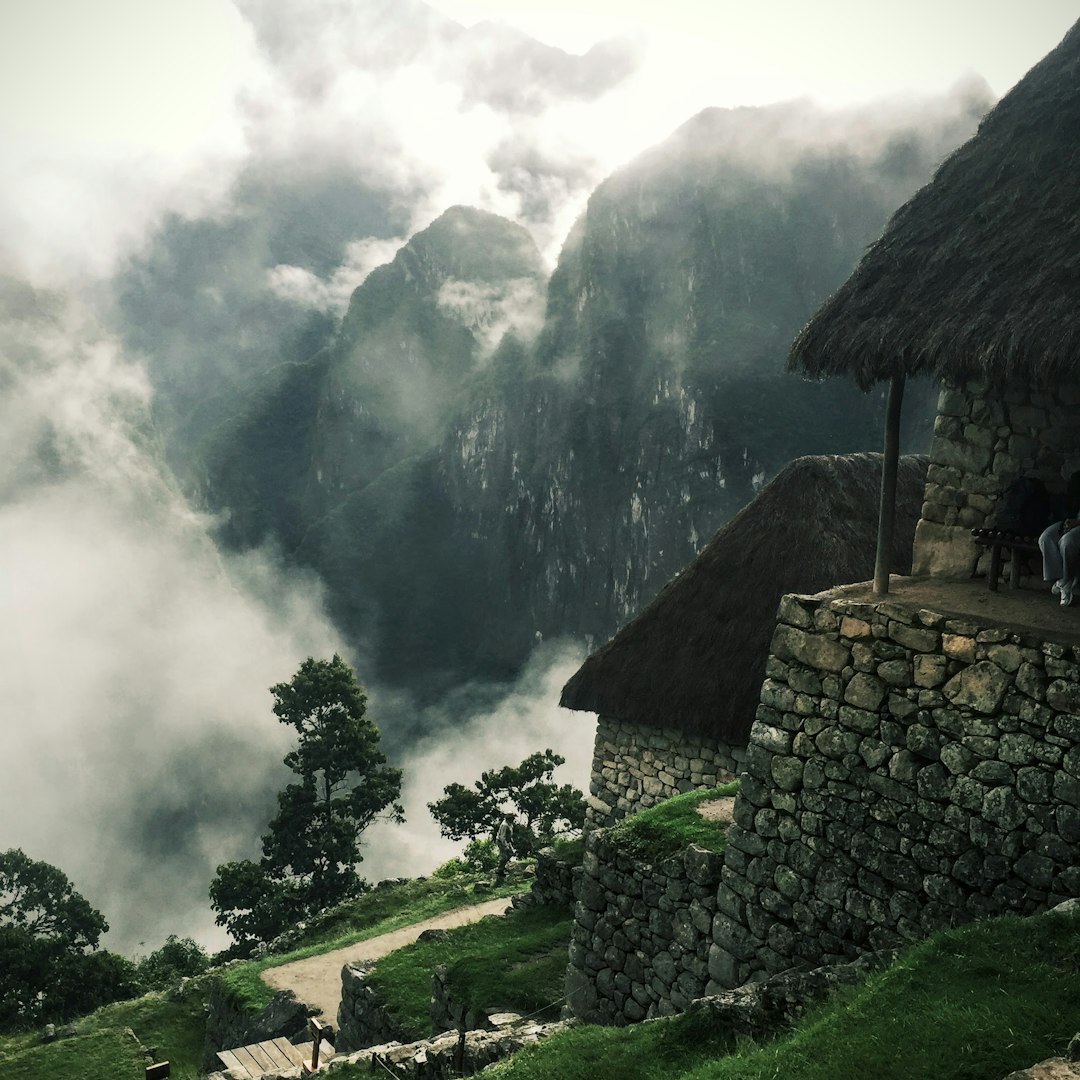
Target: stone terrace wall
636, 766
640, 944
906, 772
982, 441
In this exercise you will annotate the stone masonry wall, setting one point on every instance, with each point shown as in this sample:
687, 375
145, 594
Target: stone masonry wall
983, 440
907, 772
641, 937
636, 766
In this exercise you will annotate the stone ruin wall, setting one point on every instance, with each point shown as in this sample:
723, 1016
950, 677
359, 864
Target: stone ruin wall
984, 439
642, 934
636, 766
907, 772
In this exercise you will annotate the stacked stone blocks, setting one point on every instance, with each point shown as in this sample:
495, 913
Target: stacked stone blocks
641, 937
982, 442
907, 772
636, 766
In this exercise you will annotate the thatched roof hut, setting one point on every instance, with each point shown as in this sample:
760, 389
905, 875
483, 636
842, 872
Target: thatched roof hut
977, 276
694, 659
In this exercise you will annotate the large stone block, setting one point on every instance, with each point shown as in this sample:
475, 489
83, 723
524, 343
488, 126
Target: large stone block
980, 687
943, 551
816, 650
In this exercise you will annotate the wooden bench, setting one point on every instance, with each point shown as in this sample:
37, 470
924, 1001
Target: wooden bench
999, 541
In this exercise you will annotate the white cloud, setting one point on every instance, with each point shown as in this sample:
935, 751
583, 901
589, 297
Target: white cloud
525, 720
135, 659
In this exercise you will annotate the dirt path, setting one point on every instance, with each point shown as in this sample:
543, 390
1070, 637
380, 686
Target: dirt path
316, 981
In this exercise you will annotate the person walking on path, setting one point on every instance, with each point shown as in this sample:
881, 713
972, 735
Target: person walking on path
504, 841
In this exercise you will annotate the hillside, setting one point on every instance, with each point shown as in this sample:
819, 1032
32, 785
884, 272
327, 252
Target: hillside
471, 467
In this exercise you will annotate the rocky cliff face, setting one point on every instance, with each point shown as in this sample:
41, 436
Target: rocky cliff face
466, 485
655, 403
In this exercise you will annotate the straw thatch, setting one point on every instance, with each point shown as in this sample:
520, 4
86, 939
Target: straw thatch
694, 659
977, 276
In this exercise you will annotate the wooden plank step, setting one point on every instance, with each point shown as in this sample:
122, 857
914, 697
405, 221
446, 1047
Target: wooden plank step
285, 1047
243, 1055
262, 1058
231, 1061
280, 1060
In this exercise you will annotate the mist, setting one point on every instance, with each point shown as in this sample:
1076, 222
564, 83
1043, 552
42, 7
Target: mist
469, 736
135, 657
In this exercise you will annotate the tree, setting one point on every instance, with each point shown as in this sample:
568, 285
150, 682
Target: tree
178, 958
37, 898
541, 808
312, 848
48, 970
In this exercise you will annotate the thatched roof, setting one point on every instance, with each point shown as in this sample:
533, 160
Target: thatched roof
694, 659
977, 276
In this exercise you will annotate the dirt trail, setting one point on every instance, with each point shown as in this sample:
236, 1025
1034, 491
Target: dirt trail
316, 981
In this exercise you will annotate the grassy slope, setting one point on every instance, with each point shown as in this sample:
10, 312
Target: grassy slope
671, 826
377, 912
516, 963
969, 1004
102, 1050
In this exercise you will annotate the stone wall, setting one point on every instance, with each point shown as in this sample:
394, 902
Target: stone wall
362, 1020
640, 943
982, 441
228, 1024
907, 772
636, 766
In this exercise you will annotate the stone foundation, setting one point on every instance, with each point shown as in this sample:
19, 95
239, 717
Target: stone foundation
907, 772
640, 942
636, 766
980, 445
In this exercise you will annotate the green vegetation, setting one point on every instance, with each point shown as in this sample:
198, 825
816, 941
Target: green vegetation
969, 1004
178, 958
541, 809
516, 962
387, 907
672, 826
50, 966
311, 851
103, 1050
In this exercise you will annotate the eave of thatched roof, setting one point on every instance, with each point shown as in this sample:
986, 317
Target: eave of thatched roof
977, 276
694, 659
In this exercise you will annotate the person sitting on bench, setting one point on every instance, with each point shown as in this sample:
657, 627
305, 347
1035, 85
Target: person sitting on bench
1060, 547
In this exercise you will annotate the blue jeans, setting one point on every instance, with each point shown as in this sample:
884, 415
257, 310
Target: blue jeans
1061, 555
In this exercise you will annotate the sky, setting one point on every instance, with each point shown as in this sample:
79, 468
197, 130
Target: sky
114, 114
135, 656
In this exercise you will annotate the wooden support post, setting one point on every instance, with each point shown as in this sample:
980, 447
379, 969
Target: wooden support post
887, 506
319, 1031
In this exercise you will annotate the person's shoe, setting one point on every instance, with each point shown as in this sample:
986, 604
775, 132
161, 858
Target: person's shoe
1066, 596
1056, 588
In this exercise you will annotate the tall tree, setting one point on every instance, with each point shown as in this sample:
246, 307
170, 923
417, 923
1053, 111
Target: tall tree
47, 929
312, 849
541, 807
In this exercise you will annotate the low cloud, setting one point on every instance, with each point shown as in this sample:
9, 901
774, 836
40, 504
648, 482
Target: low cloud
306, 289
135, 659
524, 719
492, 310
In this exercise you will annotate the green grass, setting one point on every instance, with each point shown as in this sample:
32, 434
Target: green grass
671, 826
516, 962
102, 1049
969, 1004
570, 851
377, 912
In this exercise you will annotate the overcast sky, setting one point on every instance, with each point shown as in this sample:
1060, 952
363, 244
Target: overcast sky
115, 112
